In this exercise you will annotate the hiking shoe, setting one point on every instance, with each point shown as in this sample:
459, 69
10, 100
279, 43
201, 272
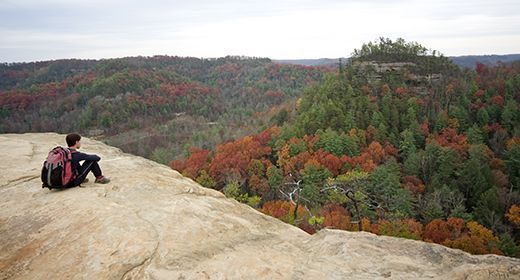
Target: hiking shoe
102, 180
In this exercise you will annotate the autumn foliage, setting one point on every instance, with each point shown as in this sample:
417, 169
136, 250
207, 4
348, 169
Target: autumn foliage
439, 166
428, 152
282, 210
513, 215
231, 159
476, 239
336, 217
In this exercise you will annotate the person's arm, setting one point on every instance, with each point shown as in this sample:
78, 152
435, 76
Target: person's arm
79, 156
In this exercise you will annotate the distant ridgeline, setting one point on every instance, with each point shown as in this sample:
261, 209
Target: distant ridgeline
471, 61
465, 61
150, 106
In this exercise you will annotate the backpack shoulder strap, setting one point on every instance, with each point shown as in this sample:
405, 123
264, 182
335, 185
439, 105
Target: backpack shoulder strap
69, 153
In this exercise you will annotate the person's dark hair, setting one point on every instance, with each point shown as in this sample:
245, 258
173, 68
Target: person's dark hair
72, 139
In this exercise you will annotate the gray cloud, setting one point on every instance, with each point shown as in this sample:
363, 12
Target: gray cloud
35, 30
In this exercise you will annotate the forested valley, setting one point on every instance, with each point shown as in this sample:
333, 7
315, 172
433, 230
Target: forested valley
156, 107
399, 141
396, 140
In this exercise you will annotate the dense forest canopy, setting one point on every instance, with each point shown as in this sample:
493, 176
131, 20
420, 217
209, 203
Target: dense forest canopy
150, 106
437, 160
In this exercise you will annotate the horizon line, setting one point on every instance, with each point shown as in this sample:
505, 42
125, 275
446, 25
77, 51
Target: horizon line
218, 57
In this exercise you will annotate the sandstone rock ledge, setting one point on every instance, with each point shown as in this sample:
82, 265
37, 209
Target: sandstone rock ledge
152, 223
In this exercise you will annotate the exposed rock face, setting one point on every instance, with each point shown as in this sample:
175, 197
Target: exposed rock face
152, 223
383, 67
419, 84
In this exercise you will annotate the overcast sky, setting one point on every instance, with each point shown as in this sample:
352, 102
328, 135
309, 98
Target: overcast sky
33, 30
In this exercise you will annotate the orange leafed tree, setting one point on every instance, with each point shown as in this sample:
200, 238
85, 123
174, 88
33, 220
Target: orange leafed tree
281, 209
376, 152
477, 240
408, 228
513, 215
369, 158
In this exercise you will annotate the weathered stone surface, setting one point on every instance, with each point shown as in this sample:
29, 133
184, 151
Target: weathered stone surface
419, 84
152, 223
382, 67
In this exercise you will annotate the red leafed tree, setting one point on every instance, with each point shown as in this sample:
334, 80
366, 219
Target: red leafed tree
436, 231
455, 227
401, 91
232, 158
365, 89
298, 162
258, 184
481, 69
425, 129
413, 184
330, 161
364, 161
390, 150
311, 141
497, 100
439, 230
449, 138
336, 216
197, 161
178, 165
265, 136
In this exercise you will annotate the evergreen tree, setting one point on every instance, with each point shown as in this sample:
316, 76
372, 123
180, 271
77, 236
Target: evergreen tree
489, 210
386, 188
482, 116
274, 177
475, 135
510, 117
407, 144
314, 178
476, 177
513, 165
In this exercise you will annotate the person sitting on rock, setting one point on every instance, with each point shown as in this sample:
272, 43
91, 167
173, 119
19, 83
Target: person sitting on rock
90, 163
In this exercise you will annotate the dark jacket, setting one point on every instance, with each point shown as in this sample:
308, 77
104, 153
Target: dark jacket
79, 156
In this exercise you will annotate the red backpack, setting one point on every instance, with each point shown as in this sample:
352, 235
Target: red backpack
57, 169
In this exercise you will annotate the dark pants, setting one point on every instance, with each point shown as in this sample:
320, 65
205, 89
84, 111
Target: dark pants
83, 170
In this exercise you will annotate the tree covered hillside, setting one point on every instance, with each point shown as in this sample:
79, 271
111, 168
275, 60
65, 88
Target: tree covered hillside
398, 142
150, 106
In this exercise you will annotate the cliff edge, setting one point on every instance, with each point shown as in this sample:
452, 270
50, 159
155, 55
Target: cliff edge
150, 222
